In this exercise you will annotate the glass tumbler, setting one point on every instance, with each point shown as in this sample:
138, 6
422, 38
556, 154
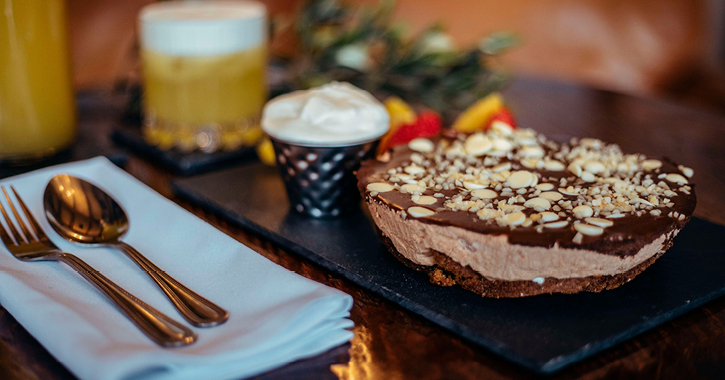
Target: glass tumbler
204, 73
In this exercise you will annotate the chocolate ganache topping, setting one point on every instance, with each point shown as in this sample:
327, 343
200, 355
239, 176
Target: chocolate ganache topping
583, 194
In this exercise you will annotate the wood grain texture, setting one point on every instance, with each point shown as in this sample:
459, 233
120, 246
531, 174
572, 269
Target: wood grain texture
391, 343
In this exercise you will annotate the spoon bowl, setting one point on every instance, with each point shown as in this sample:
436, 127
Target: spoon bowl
83, 213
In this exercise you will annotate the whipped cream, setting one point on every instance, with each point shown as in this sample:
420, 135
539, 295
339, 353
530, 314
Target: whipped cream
334, 114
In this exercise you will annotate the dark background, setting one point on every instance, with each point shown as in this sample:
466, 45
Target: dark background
671, 49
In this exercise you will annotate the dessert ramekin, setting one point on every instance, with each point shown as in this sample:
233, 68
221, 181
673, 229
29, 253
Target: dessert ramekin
320, 180
320, 136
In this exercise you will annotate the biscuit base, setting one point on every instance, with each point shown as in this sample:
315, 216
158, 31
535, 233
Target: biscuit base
447, 272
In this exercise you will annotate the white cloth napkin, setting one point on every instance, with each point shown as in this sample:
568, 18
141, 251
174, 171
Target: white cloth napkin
276, 316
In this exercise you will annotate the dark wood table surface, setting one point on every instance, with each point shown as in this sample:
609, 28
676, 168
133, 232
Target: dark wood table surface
391, 343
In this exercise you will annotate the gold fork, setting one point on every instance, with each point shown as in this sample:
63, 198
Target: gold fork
33, 245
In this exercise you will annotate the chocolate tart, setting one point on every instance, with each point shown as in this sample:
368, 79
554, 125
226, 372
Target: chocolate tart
509, 213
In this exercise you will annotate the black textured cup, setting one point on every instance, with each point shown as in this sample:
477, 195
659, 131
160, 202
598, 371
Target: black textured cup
320, 180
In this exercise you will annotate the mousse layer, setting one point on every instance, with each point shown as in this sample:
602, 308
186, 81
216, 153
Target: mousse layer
493, 257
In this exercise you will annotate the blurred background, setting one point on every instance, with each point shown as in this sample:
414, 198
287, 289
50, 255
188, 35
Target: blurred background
672, 49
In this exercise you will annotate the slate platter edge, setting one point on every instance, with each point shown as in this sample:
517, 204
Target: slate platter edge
540, 367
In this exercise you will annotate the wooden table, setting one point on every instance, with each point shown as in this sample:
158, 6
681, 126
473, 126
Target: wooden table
391, 343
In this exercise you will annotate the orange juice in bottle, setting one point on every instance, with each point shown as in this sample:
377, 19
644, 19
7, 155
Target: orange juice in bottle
37, 106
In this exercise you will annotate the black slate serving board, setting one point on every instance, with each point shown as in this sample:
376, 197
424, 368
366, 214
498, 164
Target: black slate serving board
542, 333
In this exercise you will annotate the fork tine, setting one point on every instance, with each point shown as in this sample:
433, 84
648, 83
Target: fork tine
4, 233
28, 215
26, 235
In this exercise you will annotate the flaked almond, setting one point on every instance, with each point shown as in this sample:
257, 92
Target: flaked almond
515, 218
414, 169
530, 163
568, 191
588, 229
554, 166
553, 196
545, 186
583, 211
487, 214
425, 200
588, 177
686, 171
484, 194
548, 216
419, 212
473, 185
599, 222
380, 187
538, 203
519, 179
422, 145
594, 167
501, 167
477, 144
575, 169
650, 165
502, 127
502, 145
559, 224
676, 178
531, 152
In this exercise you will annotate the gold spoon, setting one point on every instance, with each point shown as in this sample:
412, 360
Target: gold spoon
83, 213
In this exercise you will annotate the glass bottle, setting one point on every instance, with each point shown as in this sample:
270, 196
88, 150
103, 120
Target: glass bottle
37, 104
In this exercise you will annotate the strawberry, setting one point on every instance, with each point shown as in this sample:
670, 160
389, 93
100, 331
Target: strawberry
503, 115
427, 124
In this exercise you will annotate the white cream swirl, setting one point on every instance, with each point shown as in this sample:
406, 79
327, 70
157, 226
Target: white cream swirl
337, 113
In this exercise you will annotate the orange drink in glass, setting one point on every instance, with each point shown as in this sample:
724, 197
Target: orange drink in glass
204, 73
37, 105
